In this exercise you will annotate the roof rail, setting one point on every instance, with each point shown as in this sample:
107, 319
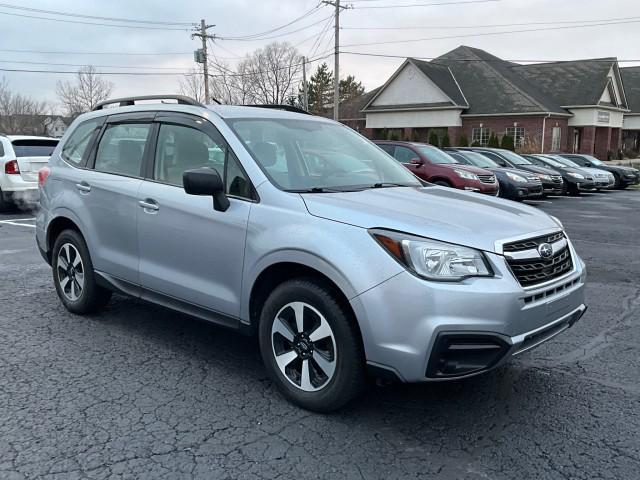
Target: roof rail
127, 101
288, 108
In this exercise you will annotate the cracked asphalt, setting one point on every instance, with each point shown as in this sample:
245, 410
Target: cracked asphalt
140, 392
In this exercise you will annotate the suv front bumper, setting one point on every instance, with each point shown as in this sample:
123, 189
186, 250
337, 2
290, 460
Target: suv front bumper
403, 319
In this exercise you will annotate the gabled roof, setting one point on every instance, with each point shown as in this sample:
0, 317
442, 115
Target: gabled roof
442, 76
579, 82
492, 86
631, 81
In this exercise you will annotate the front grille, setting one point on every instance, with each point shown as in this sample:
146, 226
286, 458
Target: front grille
532, 242
532, 271
487, 178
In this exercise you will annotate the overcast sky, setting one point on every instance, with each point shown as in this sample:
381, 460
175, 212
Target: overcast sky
245, 17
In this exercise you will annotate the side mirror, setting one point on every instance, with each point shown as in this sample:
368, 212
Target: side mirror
416, 161
206, 181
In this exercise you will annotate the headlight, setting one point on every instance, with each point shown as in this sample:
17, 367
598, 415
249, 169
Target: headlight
516, 178
431, 259
542, 176
576, 175
465, 174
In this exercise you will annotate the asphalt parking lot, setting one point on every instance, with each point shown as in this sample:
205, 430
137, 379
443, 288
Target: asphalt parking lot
140, 392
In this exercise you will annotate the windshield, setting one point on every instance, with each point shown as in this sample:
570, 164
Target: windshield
435, 155
593, 160
566, 162
479, 160
34, 148
514, 158
552, 161
305, 155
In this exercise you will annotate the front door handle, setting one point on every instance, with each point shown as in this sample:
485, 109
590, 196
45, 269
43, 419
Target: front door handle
149, 204
83, 187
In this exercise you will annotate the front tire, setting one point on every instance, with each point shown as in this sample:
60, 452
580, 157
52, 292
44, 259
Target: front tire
310, 346
73, 275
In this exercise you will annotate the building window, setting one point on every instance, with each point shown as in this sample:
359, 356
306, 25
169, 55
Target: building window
517, 133
480, 136
556, 135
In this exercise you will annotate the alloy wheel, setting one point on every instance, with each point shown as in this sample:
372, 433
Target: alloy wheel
304, 346
70, 271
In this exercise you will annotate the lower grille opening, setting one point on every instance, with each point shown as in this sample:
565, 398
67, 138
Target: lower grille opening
457, 354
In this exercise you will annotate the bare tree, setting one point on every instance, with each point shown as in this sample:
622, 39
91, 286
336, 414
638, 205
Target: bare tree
192, 85
21, 114
90, 89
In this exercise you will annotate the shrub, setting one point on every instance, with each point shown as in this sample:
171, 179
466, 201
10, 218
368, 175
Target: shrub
433, 139
507, 143
463, 141
493, 141
394, 136
446, 142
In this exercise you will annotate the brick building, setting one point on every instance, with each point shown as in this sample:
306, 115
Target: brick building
631, 125
575, 106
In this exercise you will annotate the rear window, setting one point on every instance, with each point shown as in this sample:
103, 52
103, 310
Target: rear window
34, 148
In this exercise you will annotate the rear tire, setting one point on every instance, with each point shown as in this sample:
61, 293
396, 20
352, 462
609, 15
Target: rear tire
4, 205
618, 182
73, 275
310, 346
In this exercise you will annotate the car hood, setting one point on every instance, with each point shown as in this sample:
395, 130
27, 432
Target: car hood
515, 171
467, 168
596, 171
580, 170
440, 213
537, 169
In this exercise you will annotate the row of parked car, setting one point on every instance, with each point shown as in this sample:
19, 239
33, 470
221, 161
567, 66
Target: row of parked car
503, 173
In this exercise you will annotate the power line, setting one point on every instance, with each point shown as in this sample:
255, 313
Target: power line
60, 52
86, 65
92, 23
277, 35
77, 15
448, 27
603, 60
484, 34
424, 4
275, 29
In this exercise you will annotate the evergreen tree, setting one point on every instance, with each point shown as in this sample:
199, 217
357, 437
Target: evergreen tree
493, 141
433, 138
463, 141
507, 143
349, 88
446, 142
320, 87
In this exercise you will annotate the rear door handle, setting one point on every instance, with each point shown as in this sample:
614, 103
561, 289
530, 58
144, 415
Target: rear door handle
84, 187
149, 204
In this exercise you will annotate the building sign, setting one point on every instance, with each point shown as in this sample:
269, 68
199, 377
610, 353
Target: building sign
603, 117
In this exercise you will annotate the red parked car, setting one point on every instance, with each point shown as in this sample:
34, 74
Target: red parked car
435, 166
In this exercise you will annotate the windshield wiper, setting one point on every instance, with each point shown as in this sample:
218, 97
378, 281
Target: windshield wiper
319, 190
390, 184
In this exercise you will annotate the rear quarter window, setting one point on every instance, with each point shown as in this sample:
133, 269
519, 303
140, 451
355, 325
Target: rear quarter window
1, 149
34, 148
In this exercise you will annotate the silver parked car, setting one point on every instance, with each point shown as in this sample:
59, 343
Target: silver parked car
299, 230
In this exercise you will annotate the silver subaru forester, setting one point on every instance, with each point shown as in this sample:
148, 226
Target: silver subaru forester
299, 230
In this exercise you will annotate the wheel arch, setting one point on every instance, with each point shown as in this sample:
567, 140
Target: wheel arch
56, 226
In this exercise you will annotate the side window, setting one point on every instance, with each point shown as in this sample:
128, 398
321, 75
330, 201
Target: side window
77, 143
183, 148
496, 158
121, 148
387, 148
236, 181
404, 154
1, 150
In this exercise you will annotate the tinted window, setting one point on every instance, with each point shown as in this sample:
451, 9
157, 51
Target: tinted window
121, 148
435, 155
77, 143
496, 158
34, 148
387, 148
404, 154
183, 148
460, 158
1, 150
478, 159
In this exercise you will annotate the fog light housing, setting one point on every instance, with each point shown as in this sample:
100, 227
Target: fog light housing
456, 354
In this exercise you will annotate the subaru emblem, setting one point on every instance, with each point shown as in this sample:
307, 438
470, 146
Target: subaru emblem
545, 250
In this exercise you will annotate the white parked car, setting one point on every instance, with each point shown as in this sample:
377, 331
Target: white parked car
21, 157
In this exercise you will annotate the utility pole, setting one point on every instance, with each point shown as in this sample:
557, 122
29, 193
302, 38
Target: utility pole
204, 58
305, 93
336, 55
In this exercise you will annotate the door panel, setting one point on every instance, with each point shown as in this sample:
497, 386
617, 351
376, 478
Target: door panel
190, 251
